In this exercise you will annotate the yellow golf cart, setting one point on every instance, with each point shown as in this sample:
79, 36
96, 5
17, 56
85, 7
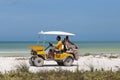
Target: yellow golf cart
63, 58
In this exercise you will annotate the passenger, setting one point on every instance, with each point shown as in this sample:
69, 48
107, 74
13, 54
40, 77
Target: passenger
64, 49
57, 47
69, 44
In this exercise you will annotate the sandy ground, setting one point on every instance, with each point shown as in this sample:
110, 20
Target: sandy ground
85, 63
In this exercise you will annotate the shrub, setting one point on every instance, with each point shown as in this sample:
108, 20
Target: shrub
87, 54
112, 56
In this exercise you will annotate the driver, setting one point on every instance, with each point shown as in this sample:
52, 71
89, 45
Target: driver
58, 47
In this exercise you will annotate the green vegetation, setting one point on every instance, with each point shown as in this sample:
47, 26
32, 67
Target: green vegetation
22, 73
113, 56
87, 54
60, 75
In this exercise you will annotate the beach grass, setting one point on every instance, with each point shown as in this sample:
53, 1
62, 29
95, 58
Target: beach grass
113, 56
61, 75
22, 73
87, 54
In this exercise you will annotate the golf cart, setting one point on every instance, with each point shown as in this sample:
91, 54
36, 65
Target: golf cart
63, 58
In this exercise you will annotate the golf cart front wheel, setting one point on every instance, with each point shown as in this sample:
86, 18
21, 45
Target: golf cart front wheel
38, 62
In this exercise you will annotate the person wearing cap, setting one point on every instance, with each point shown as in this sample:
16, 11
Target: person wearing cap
59, 43
68, 45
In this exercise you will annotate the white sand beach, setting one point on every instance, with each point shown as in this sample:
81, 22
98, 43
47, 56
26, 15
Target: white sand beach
85, 63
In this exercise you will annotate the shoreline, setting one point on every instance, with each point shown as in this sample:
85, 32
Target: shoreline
86, 54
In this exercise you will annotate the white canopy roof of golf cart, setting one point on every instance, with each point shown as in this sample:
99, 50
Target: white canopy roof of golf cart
61, 33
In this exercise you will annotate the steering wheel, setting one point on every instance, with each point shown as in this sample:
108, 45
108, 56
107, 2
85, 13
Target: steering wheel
50, 44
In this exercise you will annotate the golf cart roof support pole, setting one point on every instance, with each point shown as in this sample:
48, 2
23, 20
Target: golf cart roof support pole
44, 38
38, 41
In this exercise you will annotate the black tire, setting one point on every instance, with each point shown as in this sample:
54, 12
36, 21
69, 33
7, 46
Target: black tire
31, 62
38, 62
68, 61
60, 63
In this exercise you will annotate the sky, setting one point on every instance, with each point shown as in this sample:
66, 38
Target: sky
90, 20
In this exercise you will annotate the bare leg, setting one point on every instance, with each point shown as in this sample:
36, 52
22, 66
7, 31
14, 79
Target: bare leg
51, 54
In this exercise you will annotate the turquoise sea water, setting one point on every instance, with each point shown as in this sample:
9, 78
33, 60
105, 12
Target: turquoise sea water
21, 48
99, 47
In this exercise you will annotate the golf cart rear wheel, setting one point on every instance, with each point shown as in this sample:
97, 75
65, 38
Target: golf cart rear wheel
38, 62
68, 61
60, 63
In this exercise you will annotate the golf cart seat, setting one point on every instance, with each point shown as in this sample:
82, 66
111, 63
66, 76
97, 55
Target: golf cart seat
58, 52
